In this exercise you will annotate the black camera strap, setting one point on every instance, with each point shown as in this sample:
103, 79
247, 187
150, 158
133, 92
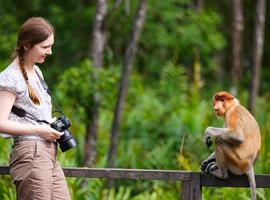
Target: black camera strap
46, 88
22, 113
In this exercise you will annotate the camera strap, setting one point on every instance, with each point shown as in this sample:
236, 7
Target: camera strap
44, 84
46, 88
22, 113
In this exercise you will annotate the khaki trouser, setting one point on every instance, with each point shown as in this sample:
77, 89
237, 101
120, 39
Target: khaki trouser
36, 172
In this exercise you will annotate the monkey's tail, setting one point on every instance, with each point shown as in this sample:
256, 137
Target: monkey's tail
252, 182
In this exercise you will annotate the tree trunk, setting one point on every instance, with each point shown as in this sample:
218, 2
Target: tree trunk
237, 43
198, 5
91, 135
197, 77
127, 66
96, 54
98, 38
257, 54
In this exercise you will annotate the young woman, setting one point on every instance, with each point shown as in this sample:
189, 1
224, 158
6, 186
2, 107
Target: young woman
33, 165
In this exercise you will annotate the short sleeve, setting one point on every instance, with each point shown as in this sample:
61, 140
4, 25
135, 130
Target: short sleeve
10, 82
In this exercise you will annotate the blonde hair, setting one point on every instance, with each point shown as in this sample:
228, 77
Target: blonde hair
32, 32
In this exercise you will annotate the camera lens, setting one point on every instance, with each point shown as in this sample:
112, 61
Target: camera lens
66, 141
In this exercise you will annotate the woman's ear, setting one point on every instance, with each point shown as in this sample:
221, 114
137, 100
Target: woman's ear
26, 47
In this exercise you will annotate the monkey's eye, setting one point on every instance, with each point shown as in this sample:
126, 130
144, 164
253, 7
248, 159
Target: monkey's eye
222, 100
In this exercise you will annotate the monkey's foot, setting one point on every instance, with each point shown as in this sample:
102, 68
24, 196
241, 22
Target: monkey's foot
206, 162
211, 167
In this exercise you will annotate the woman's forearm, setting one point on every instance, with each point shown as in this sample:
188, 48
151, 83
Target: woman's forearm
16, 128
42, 130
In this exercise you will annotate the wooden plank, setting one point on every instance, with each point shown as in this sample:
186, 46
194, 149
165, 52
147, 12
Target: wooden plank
207, 180
116, 173
262, 180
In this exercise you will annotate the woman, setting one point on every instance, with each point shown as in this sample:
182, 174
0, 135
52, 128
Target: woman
33, 165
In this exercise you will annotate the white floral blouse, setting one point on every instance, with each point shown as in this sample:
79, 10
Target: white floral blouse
11, 79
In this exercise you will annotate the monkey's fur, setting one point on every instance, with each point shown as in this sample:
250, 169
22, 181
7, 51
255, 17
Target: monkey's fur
237, 145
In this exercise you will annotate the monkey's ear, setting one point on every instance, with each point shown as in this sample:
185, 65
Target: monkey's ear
228, 96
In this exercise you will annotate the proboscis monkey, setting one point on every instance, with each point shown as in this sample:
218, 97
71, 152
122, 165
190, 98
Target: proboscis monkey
236, 145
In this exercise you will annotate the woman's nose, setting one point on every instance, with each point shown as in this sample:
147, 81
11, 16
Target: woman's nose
49, 51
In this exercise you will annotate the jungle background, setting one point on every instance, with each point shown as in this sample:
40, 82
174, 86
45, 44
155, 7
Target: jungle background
136, 79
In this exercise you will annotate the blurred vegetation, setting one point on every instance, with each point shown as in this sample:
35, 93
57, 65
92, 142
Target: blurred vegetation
168, 106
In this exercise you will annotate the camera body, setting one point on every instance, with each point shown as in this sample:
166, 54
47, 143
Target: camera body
66, 141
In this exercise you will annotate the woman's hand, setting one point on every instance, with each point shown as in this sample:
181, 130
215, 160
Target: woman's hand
48, 133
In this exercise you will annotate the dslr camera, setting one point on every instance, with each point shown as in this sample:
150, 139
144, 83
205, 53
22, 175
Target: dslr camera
66, 141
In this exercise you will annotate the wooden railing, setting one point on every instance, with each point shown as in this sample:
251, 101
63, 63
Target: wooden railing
192, 182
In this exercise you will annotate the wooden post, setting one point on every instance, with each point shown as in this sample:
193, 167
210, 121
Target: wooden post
185, 190
191, 190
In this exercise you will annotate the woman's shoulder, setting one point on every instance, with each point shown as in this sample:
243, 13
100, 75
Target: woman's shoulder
10, 72
11, 79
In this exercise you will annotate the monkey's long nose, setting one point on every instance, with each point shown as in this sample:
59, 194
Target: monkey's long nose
216, 110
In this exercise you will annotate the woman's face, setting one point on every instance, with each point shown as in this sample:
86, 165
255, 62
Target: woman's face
39, 52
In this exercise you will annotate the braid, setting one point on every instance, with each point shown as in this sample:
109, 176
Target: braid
32, 93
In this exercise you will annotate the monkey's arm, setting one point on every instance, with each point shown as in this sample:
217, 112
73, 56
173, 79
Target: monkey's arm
231, 136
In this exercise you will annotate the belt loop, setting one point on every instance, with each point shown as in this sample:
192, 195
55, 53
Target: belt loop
36, 147
56, 149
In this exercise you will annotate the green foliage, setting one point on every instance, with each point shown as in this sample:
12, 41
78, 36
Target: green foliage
181, 34
174, 83
78, 85
153, 124
75, 90
123, 193
199, 34
7, 189
7, 38
157, 193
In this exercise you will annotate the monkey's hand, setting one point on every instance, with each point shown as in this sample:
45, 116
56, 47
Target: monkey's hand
211, 167
207, 136
206, 162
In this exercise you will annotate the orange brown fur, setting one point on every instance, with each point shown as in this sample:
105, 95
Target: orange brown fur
237, 145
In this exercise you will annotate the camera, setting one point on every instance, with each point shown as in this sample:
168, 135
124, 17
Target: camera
66, 141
